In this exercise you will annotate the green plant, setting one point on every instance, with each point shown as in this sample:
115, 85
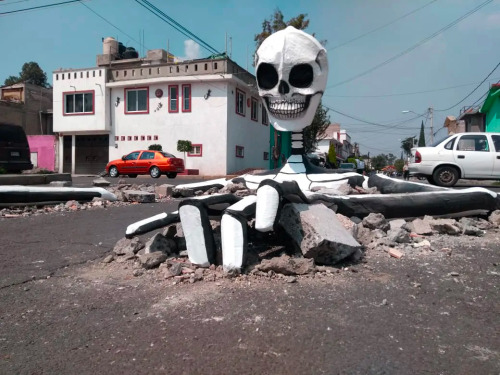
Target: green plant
155, 147
2, 170
352, 160
332, 155
184, 146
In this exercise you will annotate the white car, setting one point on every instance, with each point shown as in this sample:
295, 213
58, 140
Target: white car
465, 155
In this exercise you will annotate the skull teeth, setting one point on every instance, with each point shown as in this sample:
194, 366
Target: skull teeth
287, 109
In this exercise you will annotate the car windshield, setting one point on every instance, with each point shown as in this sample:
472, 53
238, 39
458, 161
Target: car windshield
167, 155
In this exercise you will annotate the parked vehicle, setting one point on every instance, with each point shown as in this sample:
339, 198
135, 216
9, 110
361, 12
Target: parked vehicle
14, 149
347, 167
154, 163
464, 155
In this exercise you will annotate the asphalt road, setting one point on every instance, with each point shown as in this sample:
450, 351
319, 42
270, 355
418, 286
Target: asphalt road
62, 311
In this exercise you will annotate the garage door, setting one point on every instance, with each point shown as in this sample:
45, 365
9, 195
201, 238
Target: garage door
91, 153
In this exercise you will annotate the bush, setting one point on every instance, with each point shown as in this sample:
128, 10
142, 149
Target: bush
155, 147
332, 155
3, 170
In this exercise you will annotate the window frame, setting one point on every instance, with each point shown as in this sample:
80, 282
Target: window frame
242, 148
67, 93
138, 112
265, 116
254, 109
170, 110
188, 109
191, 154
243, 112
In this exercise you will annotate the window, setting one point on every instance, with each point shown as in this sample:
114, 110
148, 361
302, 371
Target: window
137, 100
132, 156
148, 137
173, 96
449, 145
117, 138
143, 138
196, 151
155, 137
129, 137
122, 138
265, 117
254, 110
186, 98
146, 155
496, 142
240, 151
266, 155
136, 137
79, 103
473, 143
240, 102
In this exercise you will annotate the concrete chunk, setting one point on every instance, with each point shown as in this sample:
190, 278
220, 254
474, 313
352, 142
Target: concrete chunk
160, 243
318, 232
139, 196
101, 182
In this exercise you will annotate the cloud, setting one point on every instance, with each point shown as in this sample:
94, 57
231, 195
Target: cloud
492, 21
191, 50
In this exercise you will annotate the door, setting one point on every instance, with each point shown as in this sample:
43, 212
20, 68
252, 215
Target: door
496, 163
145, 161
474, 154
129, 164
91, 153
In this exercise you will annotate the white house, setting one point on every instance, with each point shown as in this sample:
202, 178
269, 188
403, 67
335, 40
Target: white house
124, 105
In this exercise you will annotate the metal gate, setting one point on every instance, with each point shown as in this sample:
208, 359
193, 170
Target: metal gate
91, 153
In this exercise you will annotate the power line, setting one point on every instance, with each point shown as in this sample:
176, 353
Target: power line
408, 50
469, 94
106, 20
380, 27
399, 94
39, 7
164, 17
14, 2
395, 126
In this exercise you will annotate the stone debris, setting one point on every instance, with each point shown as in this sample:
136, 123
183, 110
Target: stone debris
101, 182
160, 243
317, 232
139, 196
152, 260
287, 265
376, 221
126, 246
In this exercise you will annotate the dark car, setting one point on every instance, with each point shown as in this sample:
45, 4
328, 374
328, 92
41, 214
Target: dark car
154, 163
14, 149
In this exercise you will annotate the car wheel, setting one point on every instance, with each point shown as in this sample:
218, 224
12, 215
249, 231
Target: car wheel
171, 175
155, 172
430, 180
113, 171
132, 175
445, 176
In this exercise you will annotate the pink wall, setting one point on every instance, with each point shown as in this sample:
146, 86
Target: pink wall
44, 146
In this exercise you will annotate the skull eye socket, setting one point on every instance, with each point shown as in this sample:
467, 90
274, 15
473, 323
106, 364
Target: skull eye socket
301, 76
267, 76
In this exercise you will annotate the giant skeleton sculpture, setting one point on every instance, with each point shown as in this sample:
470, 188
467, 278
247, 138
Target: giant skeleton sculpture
291, 71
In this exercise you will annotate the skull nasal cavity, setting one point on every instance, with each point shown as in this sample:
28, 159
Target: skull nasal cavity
283, 88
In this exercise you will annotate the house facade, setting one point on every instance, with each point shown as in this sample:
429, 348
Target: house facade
30, 106
128, 104
491, 109
340, 139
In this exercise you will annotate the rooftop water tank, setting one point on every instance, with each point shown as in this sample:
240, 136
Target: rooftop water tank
109, 46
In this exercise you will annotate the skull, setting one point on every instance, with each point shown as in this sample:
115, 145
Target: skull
291, 70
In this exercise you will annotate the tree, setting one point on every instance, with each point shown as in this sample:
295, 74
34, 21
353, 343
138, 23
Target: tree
421, 138
316, 130
156, 147
277, 23
406, 145
30, 73
332, 155
398, 164
184, 146
378, 162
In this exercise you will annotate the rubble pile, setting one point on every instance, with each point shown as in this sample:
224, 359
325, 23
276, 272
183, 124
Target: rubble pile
126, 194
165, 255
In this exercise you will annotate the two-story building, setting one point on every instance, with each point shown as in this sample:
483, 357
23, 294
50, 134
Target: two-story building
127, 104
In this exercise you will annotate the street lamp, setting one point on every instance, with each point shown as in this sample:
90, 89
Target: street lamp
430, 112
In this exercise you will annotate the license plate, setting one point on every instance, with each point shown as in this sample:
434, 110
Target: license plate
15, 153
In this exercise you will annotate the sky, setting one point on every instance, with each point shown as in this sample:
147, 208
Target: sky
385, 56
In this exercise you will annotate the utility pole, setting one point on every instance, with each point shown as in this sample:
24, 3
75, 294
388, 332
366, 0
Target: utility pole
431, 115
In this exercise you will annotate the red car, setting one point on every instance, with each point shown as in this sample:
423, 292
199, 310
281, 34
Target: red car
153, 162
